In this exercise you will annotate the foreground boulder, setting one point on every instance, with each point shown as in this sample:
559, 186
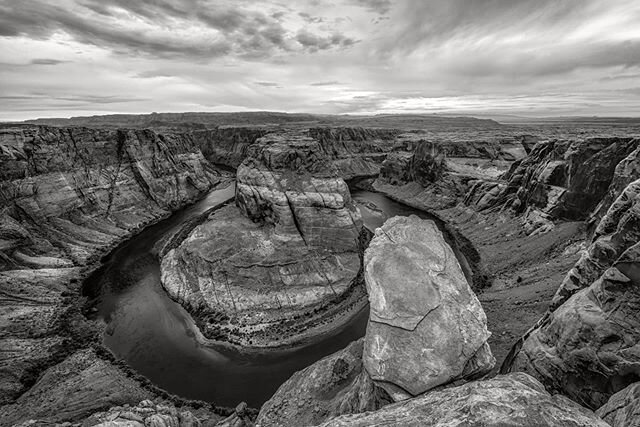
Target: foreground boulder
508, 400
263, 272
426, 326
333, 386
623, 409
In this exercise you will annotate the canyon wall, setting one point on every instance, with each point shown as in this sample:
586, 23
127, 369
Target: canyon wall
68, 195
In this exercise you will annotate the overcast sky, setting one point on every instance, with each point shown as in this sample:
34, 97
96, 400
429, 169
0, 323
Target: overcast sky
528, 57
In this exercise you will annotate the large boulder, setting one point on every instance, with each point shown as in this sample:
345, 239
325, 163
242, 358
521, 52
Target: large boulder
589, 347
507, 400
426, 326
333, 386
623, 409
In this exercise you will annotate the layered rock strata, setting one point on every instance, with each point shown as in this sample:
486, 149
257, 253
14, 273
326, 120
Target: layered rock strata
426, 327
356, 152
288, 251
564, 179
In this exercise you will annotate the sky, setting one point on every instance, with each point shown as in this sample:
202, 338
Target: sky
62, 58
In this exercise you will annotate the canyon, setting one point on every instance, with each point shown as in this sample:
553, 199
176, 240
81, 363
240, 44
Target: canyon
529, 243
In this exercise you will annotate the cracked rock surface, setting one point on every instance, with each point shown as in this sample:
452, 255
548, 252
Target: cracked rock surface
426, 326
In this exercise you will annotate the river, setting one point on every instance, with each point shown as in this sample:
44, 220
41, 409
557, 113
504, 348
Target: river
157, 337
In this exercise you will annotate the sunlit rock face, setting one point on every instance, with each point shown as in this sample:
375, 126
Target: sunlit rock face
426, 326
514, 400
289, 247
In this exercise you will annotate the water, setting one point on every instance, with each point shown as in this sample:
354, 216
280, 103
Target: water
157, 337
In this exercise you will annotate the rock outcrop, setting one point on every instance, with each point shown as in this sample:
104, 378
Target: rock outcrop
508, 400
355, 152
425, 165
589, 347
426, 327
288, 251
623, 409
333, 386
565, 179
227, 145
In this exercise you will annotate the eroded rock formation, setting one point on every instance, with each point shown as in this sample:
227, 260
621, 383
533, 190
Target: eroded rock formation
355, 152
289, 247
510, 400
564, 179
426, 326
227, 145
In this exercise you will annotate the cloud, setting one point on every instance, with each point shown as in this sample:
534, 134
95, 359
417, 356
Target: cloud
338, 56
314, 42
311, 19
197, 29
381, 7
46, 61
268, 84
327, 83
